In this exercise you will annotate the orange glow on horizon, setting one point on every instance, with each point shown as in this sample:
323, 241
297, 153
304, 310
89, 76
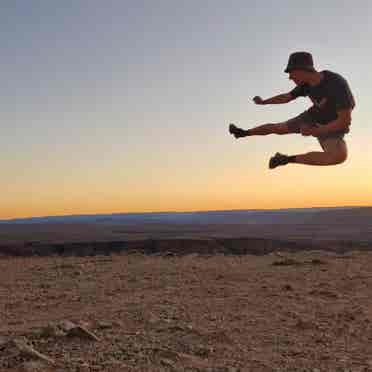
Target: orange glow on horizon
63, 211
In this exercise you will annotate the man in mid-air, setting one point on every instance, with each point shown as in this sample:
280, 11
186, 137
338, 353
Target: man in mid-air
328, 119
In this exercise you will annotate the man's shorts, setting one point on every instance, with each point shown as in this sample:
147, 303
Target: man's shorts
328, 142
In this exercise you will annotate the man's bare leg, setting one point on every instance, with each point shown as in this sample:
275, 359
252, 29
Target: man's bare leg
261, 130
334, 152
320, 158
334, 156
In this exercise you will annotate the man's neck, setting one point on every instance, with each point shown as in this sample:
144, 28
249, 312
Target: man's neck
315, 78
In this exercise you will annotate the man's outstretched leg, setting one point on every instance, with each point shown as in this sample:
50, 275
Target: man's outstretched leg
335, 152
261, 130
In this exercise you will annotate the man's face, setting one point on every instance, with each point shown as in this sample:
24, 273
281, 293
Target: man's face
297, 76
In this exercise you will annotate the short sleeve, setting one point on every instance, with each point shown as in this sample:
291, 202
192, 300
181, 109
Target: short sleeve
300, 91
342, 95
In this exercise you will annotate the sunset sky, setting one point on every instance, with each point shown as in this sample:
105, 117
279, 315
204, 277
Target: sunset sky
123, 106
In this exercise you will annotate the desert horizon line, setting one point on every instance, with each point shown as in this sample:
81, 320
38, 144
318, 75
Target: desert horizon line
179, 212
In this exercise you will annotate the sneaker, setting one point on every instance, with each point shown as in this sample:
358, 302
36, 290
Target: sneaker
237, 132
277, 160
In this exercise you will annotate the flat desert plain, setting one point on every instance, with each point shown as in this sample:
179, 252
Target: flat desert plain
282, 311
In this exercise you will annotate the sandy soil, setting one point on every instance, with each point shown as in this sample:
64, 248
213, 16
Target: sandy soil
309, 311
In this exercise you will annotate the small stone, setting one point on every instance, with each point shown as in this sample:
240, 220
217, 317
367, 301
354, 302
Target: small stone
3, 342
84, 367
233, 369
167, 362
104, 325
50, 330
317, 261
288, 287
305, 324
66, 325
286, 262
168, 254
27, 350
80, 331
35, 366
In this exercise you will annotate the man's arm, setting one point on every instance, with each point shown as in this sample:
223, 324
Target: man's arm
342, 122
279, 99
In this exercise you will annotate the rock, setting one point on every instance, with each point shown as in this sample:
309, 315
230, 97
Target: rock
169, 254
51, 330
85, 367
324, 293
305, 324
36, 366
104, 325
75, 330
22, 346
286, 262
317, 261
3, 342
66, 325
168, 363
80, 331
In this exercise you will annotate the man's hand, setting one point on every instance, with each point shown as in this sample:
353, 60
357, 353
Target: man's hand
258, 100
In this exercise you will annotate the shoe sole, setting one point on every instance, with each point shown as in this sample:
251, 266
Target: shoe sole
232, 127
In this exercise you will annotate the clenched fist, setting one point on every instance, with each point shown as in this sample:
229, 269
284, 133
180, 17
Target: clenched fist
258, 100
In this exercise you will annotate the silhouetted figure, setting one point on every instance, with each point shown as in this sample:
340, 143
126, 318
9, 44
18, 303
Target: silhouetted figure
328, 119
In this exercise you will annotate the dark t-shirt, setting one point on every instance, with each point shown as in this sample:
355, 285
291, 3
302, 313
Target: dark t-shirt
329, 96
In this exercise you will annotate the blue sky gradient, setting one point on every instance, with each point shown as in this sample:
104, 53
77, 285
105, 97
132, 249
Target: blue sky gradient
123, 106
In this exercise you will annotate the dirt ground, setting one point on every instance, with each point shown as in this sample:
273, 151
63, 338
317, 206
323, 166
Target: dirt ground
309, 311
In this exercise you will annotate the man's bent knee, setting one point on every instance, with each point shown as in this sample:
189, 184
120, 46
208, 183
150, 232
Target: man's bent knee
335, 149
341, 158
337, 157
